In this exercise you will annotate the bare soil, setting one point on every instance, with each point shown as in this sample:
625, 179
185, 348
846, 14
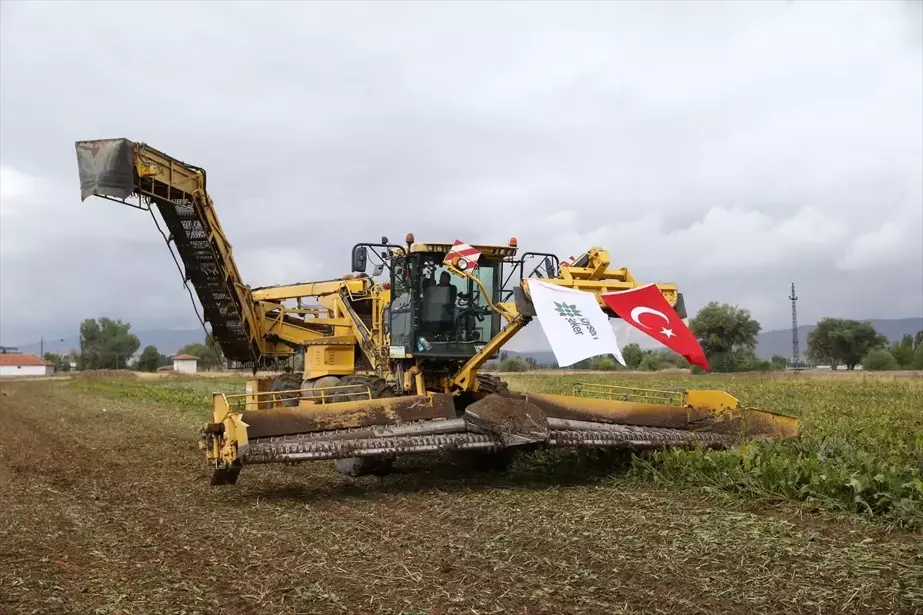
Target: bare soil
105, 508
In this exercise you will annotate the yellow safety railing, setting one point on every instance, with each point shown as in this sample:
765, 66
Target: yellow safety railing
238, 402
630, 394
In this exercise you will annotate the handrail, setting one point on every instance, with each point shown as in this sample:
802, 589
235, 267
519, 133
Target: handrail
633, 394
273, 399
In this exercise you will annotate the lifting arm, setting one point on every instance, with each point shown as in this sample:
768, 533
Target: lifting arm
589, 273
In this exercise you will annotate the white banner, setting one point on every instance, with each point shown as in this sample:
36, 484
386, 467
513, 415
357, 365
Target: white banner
573, 322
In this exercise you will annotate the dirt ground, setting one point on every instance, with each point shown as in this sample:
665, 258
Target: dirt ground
105, 508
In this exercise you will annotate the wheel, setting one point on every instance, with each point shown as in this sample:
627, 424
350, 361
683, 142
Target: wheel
379, 388
489, 384
321, 384
289, 381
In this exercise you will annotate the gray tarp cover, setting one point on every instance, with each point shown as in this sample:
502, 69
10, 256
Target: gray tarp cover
105, 168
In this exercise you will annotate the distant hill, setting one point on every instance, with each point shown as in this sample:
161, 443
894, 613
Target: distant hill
780, 341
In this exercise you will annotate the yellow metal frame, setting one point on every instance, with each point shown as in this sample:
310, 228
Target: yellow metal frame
490, 251
330, 323
262, 400
632, 394
597, 278
707, 407
229, 411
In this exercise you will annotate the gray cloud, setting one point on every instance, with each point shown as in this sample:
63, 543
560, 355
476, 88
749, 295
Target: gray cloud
730, 148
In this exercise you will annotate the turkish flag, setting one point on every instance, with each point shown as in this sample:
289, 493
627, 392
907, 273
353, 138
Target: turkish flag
646, 309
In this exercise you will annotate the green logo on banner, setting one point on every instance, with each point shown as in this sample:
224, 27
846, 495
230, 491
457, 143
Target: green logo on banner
567, 311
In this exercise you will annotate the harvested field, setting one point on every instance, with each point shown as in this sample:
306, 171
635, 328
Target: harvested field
105, 508
108, 374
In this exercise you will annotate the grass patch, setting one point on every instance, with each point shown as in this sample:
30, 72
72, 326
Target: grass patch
189, 395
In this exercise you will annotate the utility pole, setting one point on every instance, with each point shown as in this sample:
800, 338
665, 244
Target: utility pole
41, 352
796, 354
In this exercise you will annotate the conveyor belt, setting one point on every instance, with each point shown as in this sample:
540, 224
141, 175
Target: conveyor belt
119, 168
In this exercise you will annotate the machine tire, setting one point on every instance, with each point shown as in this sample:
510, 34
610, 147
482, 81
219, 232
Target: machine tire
288, 381
488, 384
378, 387
362, 466
313, 383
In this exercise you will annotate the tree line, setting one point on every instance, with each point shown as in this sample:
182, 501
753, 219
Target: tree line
110, 344
728, 336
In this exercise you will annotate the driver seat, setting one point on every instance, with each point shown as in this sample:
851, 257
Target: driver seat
438, 309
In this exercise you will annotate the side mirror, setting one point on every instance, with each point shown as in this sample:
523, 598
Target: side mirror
360, 259
549, 268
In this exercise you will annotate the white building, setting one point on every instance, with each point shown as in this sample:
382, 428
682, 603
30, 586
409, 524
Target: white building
185, 364
15, 364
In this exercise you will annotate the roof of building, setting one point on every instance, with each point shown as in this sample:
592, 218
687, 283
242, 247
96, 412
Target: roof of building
22, 359
185, 357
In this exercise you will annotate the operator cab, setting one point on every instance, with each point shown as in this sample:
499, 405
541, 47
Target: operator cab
436, 314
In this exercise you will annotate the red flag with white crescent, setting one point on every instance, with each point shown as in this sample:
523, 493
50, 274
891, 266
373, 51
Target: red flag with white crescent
646, 309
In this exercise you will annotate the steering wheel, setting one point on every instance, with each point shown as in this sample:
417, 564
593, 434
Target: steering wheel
469, 299
477, 311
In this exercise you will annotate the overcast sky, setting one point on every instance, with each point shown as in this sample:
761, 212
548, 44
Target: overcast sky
729, 148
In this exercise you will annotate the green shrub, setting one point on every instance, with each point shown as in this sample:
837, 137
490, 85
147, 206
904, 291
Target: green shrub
603, 364
778, 362
650, 363
918, 357
516, 364
879, 360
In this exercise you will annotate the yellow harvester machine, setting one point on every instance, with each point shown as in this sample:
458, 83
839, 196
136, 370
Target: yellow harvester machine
392, 360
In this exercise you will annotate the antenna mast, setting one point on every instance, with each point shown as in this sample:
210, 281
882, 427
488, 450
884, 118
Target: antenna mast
796, 354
